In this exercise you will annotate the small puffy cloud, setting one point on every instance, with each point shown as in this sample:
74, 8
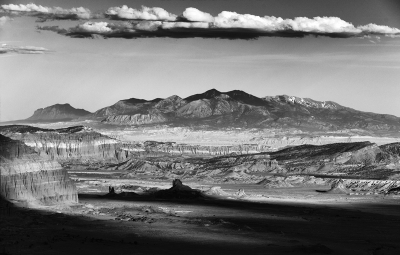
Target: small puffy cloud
45, 13
4, 20
94, 27
5, 48
145, 13
193, 14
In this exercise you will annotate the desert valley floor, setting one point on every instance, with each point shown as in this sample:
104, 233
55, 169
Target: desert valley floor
229, 203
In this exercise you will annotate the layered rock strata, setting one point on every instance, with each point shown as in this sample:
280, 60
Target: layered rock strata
26, 176
337, 186
243, 168
365, 187
68, 144
179, 149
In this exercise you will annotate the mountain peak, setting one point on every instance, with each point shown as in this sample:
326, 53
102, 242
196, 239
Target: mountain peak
206, 95
133, 101
245, 98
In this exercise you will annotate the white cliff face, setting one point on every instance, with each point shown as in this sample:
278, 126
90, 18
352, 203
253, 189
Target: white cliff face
84, 144
25, 176
179, 149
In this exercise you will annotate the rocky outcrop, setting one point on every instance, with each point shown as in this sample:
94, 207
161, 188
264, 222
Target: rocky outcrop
329, 158
390, 153
338, 186
291, 181
354, 160
26, 176
365, 187
360, 160
241, 168
58, 112
178, 191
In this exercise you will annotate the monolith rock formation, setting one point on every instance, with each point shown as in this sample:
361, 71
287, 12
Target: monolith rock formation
179, 191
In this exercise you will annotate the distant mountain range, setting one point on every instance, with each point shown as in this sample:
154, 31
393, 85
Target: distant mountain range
230, 109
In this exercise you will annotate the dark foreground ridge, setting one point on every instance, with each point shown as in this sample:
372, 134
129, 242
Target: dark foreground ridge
141, 226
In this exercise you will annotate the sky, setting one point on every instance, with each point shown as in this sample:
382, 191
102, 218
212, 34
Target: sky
93, 56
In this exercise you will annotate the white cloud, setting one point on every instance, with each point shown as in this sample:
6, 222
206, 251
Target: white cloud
5, 48
188, 25
321, 25
193, 14
25, 8
378, 29
95, 27
79, 12
157, 22
146, 13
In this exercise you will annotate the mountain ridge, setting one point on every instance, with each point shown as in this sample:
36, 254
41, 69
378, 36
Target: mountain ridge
238, 109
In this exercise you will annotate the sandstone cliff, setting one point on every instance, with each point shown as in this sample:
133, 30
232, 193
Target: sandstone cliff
68, 144
26, 176
172, 148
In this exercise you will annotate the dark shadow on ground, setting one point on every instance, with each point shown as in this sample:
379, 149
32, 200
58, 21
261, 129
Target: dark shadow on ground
241, 228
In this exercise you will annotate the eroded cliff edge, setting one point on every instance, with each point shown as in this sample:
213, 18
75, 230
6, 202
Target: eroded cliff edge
79, 145
27, 176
